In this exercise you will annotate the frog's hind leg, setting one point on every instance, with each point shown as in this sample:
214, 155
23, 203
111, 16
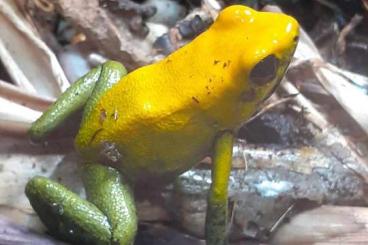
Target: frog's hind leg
217, 207
106, 188
109, 217
66, 215
76, 97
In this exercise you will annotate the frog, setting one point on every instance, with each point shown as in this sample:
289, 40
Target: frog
160, 120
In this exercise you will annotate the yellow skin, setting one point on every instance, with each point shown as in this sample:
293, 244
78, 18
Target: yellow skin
163, 118
160, 120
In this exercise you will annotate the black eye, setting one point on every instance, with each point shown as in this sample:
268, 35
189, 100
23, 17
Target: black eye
265, 71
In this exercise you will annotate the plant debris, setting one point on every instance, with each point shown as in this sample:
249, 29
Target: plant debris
305, 148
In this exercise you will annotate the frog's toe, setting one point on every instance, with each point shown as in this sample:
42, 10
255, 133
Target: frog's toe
66, 215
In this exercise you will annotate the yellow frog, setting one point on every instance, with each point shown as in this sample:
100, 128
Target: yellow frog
160, 120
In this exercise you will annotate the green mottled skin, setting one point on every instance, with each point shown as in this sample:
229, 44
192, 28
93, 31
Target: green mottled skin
106, 189
84, 93
66, 215
109, 216
63, 108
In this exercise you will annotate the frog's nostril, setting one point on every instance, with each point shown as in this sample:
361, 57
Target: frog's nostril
296, 38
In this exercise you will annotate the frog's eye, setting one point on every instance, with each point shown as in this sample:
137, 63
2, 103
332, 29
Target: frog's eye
265, 71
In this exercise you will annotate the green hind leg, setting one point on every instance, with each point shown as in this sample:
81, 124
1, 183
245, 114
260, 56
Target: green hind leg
217, 204
109, 217
107, 190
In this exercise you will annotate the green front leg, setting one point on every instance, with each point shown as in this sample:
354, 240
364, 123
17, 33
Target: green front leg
109, 218
217, 204
76, 96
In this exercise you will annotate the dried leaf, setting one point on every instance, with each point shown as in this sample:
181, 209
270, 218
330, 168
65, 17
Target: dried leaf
326, 225
30, 63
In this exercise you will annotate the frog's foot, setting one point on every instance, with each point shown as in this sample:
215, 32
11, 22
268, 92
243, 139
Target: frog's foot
216, 217
109, 217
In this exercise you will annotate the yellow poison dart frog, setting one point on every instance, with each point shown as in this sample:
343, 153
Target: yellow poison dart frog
160, 120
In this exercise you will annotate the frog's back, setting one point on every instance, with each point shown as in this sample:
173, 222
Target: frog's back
162, 118
156, 120
146, 126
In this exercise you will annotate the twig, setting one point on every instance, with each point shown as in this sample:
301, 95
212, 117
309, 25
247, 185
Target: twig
13, 129
312, 114
21, 97
341, 40
45, 5
269, 106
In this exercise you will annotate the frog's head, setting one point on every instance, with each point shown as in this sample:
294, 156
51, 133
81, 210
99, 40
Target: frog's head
261, 45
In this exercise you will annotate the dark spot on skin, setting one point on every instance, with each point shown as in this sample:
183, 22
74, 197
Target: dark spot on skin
264, 71
215, 62
195, 100
249, 95
168, 61
226, 64
210, 80
102, 116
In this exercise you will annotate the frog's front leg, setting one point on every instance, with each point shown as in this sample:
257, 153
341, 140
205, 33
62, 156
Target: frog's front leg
217, 204
109, 217
86, 89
